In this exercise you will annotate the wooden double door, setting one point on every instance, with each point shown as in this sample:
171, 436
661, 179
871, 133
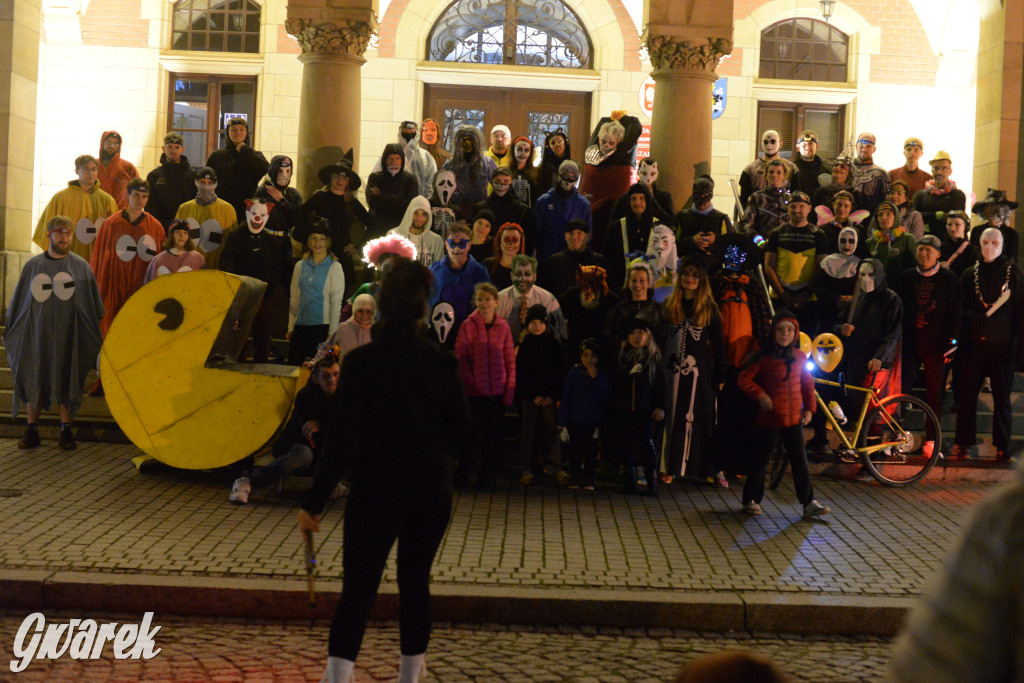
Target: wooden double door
530, 113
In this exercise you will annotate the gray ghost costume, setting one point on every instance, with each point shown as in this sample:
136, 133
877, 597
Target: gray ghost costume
53, 331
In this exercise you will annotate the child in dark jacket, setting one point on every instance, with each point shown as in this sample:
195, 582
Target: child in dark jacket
641, 398
780, 382
581, 413
540, 372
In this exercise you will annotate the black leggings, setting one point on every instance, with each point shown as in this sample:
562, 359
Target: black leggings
764, 443
372, 525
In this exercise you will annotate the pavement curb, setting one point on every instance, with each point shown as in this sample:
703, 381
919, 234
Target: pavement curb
265, 598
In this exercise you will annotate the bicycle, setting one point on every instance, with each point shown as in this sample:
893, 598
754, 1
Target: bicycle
894, 455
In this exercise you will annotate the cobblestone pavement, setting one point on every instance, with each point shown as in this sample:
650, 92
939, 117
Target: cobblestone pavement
91, 510
236, 650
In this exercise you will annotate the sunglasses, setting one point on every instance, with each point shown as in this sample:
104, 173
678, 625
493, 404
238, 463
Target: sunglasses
458, 244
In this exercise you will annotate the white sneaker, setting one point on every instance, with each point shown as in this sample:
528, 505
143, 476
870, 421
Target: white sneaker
815, 509
720, 481
240, 491
752, 508
340, 489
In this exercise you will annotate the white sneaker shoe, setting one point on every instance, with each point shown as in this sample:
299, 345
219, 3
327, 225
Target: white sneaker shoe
752, 508
815, 509
240, 491
340, 489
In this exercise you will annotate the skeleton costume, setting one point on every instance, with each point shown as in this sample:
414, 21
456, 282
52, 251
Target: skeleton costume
53, 331
442, 211
694, 360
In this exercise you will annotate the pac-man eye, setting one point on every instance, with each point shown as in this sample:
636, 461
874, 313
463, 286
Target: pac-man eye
173, 312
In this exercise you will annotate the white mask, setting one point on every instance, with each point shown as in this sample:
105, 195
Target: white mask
867, 278
648, 173
770, 142
444, 184
442, 318
991, 244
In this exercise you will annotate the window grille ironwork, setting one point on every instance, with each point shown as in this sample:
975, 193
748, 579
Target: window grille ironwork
216, 26
456, 118
543, 122
804, 50
522, 32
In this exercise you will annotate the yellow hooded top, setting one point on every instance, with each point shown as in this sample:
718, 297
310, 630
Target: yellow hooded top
215, 221
77, 204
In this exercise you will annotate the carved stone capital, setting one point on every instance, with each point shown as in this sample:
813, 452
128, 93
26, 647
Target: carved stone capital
672, 52
343, 37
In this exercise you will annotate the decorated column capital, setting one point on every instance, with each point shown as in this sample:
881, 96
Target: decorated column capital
677, 54
339, 37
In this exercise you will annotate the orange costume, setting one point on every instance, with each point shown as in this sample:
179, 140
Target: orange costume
114, 177
120, 257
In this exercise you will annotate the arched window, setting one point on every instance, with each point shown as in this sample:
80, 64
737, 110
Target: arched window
804, 50
216, 26
523, 32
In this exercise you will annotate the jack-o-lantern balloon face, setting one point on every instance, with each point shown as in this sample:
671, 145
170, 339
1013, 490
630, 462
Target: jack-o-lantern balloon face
805, 344
827, 351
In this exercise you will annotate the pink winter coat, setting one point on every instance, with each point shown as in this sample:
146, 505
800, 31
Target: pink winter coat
487, 358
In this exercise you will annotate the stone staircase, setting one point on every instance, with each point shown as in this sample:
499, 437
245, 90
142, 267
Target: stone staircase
93, 422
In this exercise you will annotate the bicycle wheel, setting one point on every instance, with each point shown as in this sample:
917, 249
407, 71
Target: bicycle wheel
777, 466
901, 423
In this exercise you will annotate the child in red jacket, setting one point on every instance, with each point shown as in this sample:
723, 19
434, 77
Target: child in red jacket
780, 382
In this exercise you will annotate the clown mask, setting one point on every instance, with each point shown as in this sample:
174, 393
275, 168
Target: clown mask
256, 213
770, 143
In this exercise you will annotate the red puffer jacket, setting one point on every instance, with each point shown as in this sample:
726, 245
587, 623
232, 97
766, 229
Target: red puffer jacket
487, 358
790, 395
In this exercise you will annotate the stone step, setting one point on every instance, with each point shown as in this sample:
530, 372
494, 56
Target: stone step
92, 408
105, 431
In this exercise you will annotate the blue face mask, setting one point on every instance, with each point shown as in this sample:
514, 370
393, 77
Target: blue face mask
734, 258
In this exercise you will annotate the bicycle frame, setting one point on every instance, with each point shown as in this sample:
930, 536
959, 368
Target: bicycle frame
870, 401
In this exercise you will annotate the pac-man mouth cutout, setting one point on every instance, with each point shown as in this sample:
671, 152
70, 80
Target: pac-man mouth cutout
170, 378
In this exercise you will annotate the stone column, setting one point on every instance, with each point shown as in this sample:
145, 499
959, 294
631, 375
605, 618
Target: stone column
685, 41
684, 75
20, 22
333, 42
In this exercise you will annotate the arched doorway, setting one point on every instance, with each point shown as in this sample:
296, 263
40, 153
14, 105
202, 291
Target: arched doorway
544, 34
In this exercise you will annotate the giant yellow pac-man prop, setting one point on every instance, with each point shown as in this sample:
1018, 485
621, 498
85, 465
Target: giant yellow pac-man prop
828, 351
166, 397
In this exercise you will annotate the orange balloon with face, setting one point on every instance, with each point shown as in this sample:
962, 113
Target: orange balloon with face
828, 351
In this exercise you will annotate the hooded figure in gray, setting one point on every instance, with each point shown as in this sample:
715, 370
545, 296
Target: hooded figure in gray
418, 161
